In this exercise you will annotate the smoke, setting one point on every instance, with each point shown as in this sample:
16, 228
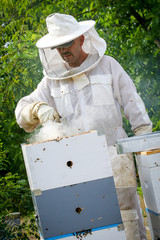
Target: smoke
52, 130
92, 118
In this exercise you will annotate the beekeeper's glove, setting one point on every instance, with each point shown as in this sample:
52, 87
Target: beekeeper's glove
46, 113
35, 114
143, 130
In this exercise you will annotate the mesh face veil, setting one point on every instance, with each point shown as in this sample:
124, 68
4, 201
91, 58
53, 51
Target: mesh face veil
55, 68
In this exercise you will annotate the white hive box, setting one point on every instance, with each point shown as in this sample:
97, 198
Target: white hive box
147, 148
149, 171
72, 187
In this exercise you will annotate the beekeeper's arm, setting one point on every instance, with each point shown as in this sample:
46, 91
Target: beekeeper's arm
133, 107
33, 110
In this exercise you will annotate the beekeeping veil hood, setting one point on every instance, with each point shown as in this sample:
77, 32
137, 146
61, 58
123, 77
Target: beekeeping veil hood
63, 28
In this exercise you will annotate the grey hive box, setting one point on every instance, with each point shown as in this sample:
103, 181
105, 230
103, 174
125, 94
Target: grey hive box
73, 187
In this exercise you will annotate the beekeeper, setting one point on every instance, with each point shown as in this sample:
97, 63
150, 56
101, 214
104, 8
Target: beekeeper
80, 82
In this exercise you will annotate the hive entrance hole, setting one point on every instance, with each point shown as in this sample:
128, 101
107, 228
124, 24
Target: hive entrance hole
78, 210
70, 164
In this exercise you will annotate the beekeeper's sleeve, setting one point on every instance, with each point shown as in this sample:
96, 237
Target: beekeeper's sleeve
27, 108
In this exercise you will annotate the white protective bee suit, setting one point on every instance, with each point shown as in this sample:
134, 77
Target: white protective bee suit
93, 96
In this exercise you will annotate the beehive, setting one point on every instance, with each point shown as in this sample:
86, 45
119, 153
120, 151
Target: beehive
72, 187
147, 148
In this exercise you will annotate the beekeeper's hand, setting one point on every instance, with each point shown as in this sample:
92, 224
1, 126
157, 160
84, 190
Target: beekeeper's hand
37, 113
46, 113
143, 130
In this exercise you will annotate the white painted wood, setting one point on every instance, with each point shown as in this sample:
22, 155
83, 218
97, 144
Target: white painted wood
46, 162
150, 180
149, 172
139, 143
149, 161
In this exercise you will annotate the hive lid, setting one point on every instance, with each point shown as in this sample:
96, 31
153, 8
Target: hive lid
139, 143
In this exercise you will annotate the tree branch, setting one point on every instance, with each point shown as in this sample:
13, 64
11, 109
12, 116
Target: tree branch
157, 42
93, 10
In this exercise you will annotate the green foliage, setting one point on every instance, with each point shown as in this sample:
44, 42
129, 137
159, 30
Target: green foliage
16, 80
25, 230
139, 191
15, 195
